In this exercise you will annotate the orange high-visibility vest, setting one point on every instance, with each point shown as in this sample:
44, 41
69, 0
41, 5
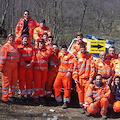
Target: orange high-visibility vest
26, 54
8, 53
96, 92
76, 47
38, 32
31, 25
116, 67
104, 68
84, 66
65, 62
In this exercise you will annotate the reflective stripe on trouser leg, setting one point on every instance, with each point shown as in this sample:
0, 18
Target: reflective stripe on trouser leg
42, 92
66, 100
104, 105
29, 91
48, 93
22, 92
58, 99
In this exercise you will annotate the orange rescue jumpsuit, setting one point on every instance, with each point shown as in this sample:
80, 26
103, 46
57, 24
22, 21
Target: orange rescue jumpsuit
52, 73
112, 59
38, 32
25, 74
9, 58
40, 70
104, 68
19, 27
116, 67
65, 66
83, 70
98, 95
76, 47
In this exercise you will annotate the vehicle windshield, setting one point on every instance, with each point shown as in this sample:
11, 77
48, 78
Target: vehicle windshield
95, 55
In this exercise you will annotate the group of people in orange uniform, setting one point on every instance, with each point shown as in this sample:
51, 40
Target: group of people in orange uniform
40, 68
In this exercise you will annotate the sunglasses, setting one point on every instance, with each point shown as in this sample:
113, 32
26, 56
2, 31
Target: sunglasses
25, 14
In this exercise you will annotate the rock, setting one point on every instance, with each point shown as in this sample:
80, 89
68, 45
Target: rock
55, 118
30, 115
51, 110
44, 115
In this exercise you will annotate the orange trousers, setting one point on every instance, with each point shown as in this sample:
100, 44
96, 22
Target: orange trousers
40, 78
100, 104
116, 106
50, 80
81, 88
62, 81
9, 80
25, 76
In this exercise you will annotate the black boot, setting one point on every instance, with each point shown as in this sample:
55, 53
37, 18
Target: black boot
65, 105
42, 101
6, 102
12, 99
23, 99
29, 99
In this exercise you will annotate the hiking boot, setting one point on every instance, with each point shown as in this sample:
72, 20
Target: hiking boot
36, 101
12, 99
87, 114
49, 101
22, 99
83, 111
42, 101
65, 105
104, 117
6, 102
29, 99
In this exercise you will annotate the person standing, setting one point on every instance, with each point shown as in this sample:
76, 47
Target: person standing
9, 58
112, 56
104, 67
38, 31
25, 71
64, 77
40, 70
26, 25
52, 71
76, 46
83, 73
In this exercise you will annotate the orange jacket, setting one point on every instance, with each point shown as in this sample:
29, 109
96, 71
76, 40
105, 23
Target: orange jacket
8, 53
84, 66
38, 32
41, 59
95, 93
53, 63
112, 59
65, 62
116, 67
76, 47
104, 68
26, 55
31, 25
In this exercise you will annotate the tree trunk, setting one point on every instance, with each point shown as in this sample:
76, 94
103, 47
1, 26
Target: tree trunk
2, 25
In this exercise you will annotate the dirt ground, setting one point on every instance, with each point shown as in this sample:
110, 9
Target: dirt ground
31, 112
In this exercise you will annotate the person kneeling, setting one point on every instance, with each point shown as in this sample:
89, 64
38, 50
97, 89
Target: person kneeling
97, 97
